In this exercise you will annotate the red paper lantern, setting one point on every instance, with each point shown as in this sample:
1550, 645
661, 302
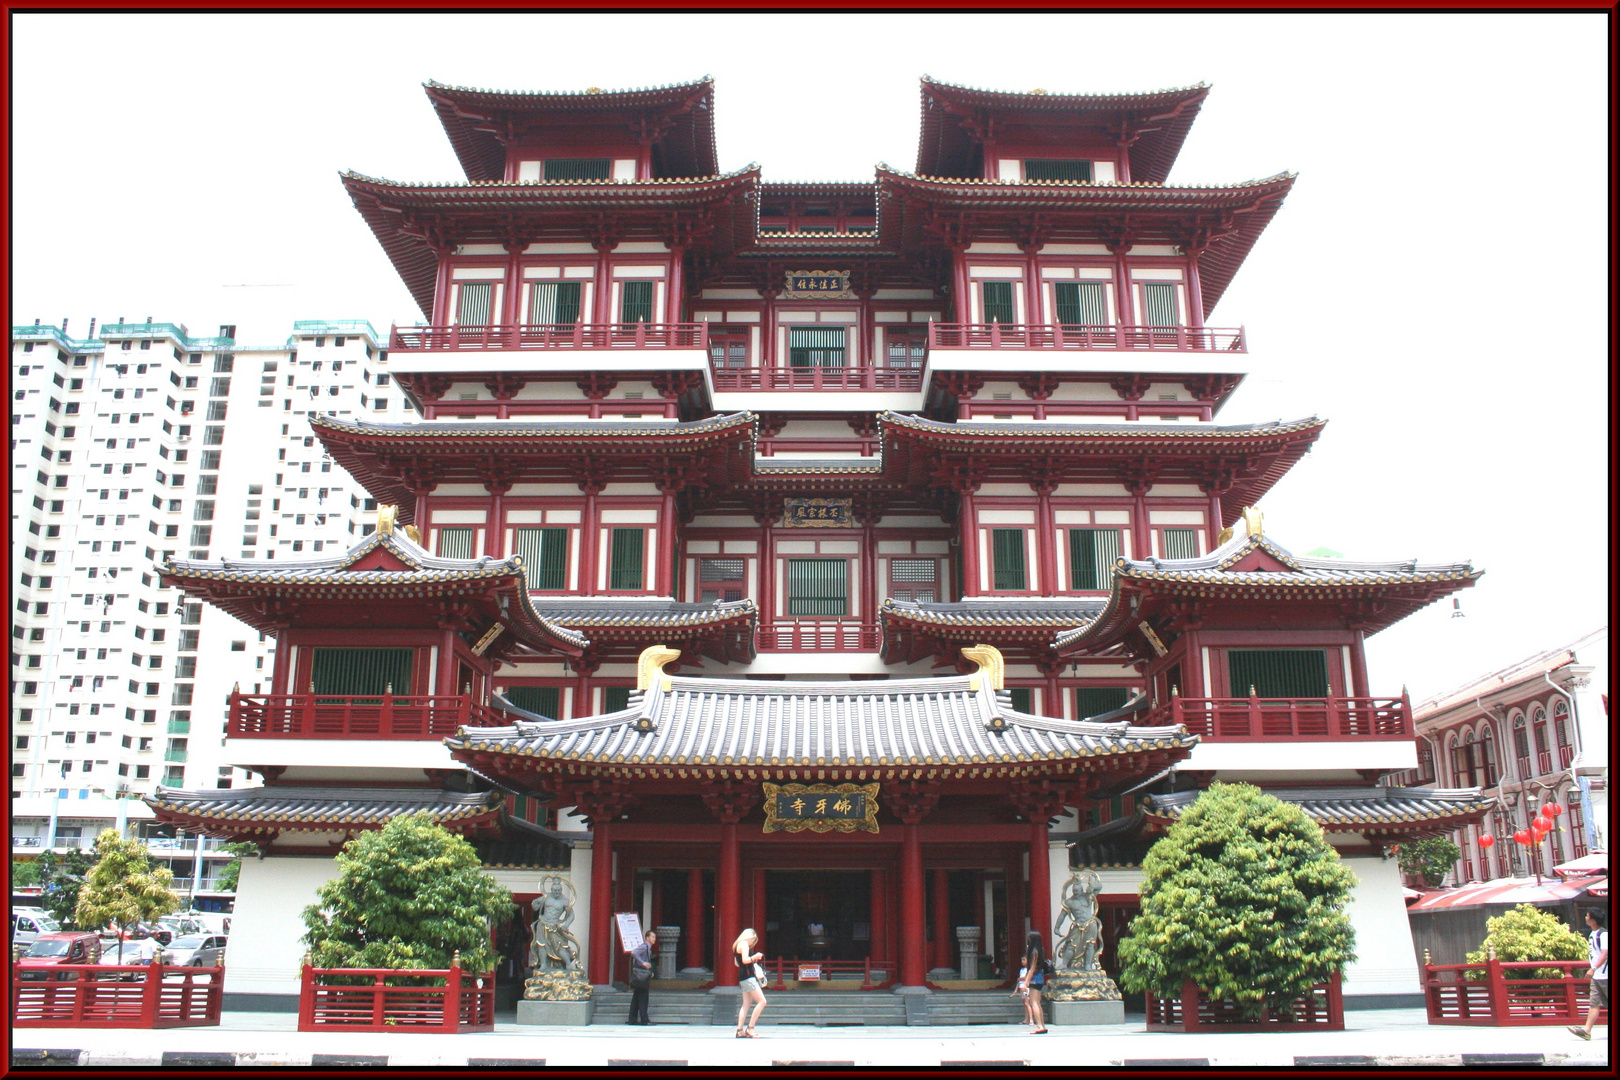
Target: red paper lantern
1522, 837
1552, 810
1487, 840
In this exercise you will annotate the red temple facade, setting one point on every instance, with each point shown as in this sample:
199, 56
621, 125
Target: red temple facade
914, 487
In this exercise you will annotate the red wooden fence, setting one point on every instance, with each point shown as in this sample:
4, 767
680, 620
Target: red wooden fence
1491, 998
466, 1002
819, 635
1320, 1009
334, 716
124, 996
1255, 718
831, 968
580, 335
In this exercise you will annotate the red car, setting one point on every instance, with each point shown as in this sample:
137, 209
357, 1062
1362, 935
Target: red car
56, 948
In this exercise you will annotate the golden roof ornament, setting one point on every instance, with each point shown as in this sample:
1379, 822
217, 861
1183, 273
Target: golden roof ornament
1252, 521
990, 662
415, 534
386, 516
651, 664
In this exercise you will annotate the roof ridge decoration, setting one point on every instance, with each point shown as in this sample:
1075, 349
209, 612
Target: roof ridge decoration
434, 84
928, 80
1286, 176
751, 168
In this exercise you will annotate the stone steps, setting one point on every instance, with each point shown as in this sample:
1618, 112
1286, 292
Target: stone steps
821, 1008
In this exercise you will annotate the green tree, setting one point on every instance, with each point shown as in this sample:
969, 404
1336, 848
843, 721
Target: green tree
407, 896
60, 880
1245, 898
123, 887
1529, 933
24, 873
231, 875
1430, 859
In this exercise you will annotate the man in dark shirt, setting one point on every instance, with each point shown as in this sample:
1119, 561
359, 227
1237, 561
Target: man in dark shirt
642, 958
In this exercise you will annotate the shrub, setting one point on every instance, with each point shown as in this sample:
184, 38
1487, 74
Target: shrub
1529, 933
407, 896
1245, 898
1430, 859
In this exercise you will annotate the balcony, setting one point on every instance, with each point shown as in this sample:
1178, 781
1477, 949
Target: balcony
409, 339
325, 716
1254, 719
853, 377
819, 635
1061, 336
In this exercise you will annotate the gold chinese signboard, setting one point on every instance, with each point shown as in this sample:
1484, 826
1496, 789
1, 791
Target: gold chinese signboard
818, 513
821, 807
817, 285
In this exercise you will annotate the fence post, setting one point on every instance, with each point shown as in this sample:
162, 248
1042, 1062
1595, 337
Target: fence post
1254, 712
1498, 986
452, 993
306, 997
151, 990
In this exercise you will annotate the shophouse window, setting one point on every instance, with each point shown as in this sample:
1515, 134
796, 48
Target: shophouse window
360, 671
635, 303
720, 579
997, 297
1007, 554
1096, 700
818, 587
554, 303
541, 700
577, 169
628, 556
1049, 169
1468, 763
1543, 751
728, 349
1180, 543
473, 304
1083, 303
816, 347
1521, 747
916, 580
1277, 673
456, 543
1092, 553
545, 558
1566, 752
1159, 304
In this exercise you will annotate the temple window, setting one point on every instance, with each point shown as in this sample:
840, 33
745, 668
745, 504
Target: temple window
728, 348
628, 555
914, 579
1022, 698
545, 558
1081, 303
635, 303
818, 587
816, 347
554, 303
1160, 305
906, 348
1278, 673
1096, 700
996, 299
615, 698
456, 543
1057, 169
1092, 553
473, 303
541, 700
721, 579
360, 671
577, 169
1007, 548
1179, 543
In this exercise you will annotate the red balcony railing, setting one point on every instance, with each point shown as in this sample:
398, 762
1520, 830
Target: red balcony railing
1060, 336
327, 716
850, 377
1265, 719
819, 635
551, 336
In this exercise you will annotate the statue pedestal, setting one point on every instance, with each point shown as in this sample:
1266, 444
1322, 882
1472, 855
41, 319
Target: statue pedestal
1081, 1013
1075, 998
967, 945
556, 1013
669, 939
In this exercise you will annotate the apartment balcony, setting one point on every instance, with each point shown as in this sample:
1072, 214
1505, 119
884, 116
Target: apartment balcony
1066, 347
326, 716
819, 635
404, 340
1254, 719
852, 377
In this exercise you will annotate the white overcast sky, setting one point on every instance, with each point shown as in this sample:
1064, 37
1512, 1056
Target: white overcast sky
1436, 285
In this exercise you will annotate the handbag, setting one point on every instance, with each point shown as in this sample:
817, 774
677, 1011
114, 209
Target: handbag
640, 977
759, 973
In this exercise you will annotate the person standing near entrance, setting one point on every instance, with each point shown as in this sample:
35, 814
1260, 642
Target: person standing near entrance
1598, 950
1034, 979
750, 979
641, 974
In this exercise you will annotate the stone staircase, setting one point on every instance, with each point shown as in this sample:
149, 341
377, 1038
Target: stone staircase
821, 1008
678, 1007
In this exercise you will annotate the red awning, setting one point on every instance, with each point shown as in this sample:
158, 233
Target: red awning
1507, 891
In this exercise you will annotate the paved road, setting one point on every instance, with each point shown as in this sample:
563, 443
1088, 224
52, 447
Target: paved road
1394, 1037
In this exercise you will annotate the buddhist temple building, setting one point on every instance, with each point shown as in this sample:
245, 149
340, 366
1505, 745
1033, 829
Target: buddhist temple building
847, 561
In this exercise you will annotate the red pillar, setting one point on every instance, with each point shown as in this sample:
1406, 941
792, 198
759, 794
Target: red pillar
1040, 883
1357, 675
1214, 520
665, 580
944, 935
913, 944
1141, 535
970, 546
878, 947
757, 914
494, 532
693, 930
280, 675
1046, 539
447, 662
728, 899
601, 903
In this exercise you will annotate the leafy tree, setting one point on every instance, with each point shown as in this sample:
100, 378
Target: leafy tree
230, 876
60, 880
407, 896
1245, 898
1430, 859
124, 888
1529, 933
24, 873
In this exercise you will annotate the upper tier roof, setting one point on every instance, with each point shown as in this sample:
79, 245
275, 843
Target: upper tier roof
1159, 118
481, 122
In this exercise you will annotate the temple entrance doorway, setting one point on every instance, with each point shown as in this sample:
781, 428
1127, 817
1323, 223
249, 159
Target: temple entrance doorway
817, 914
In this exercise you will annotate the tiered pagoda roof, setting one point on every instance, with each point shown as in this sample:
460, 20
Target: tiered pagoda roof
1372, 811
913, 631
722, 630
263, 812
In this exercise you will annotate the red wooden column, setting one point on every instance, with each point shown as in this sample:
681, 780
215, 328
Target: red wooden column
1040, 883
494, 524
1357, 675
1122, 281
1044, 482
730, 802
447, 661
601, 902
765, 515
944, 935
694, 918
970, 545
280, 676
877, 946
604, 279
509, 315
756, 915
911, 802
665, 580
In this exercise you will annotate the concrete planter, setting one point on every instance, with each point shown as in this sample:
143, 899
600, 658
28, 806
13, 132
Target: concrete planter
1083, 1013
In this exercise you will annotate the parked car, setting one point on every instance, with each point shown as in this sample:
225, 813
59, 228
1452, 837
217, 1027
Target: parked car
196, 950
179, 926
58, 947
28, 923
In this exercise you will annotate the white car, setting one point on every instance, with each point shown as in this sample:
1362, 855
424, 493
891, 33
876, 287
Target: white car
196, 950
28, 923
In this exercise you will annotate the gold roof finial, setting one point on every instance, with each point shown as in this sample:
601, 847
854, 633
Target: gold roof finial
651, 663
1225, 535
415, 534
990, 662
1252, 521
386, 516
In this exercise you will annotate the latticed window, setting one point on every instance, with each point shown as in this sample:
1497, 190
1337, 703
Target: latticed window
1159, 306
456, 543
554, 303
1083, 303
1092, 553
545, 558
628, 555
721, 579
1181, 543
1007, 559
906, 350
728, 350
1278, 673
541, 700
577, 169
360, 672
818, 587
1022, 698
998, 301
816, 347
914, 579
473, 304
635, 303
615, 698
1096, 700
1566, 751
1056, 169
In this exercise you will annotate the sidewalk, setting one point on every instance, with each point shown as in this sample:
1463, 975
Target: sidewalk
1394, 1037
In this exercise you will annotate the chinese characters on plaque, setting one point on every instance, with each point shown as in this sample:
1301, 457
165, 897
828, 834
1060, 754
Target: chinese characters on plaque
818, 285
821, 807
818, 513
